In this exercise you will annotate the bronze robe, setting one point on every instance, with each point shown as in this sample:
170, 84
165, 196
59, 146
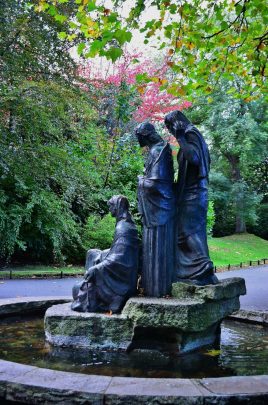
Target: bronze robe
193, 262
116, 274
157, 207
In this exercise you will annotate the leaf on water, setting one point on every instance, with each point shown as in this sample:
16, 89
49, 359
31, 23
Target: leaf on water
213, 353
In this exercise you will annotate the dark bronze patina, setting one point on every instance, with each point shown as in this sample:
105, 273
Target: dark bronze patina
111, 275
157, 206
193, 262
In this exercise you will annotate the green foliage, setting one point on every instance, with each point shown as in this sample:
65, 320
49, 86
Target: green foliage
98, 232
53, 161
237, 134
205, 40
52, 227
29, 45
220, 194
246, 201
210, 218
260, 228
46, 126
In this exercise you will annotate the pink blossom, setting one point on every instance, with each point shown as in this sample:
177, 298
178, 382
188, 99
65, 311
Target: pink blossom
154, 101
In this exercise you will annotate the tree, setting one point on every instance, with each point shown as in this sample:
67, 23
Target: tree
53, 147
237, 134
205, 40
122, 103
257, 177
45, 121
30, 48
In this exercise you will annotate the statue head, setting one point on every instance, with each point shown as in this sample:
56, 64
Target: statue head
146, 134
176, 122
119, 206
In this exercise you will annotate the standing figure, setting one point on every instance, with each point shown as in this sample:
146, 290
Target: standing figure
157, 207
111, 276
193, 262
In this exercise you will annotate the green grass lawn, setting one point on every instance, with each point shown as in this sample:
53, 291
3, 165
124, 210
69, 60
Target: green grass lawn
238, 248
41, 271
231, 250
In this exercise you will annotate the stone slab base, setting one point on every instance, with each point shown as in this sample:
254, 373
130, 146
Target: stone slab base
251, 316
186, 323
64, 327
32, 385
225, 289
22, 305
188, 315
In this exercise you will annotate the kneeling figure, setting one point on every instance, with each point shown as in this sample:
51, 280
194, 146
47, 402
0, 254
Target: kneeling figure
111, 276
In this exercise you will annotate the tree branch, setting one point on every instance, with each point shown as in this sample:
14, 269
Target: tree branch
232, 23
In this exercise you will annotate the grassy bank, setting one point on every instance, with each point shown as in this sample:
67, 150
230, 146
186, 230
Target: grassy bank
41, 271
238, 248
231, 250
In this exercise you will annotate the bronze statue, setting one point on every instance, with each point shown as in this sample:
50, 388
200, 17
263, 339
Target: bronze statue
111, 275
193, 262
157, 206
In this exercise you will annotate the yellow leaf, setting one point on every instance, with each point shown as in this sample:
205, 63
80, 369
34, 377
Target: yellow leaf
141, 89
178, 43
213, 352
190, 45
93, 33
150, 33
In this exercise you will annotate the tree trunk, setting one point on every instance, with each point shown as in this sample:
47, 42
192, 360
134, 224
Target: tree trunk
240, 224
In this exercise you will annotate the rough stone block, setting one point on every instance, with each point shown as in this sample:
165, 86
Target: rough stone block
185, 314
189, 321
64, 327
228, 288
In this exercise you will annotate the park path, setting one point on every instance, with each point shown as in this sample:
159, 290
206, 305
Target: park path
256, 282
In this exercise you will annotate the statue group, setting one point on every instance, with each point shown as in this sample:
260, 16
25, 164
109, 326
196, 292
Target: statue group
174, 238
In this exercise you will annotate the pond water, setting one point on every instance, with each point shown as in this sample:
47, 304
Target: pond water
243, 351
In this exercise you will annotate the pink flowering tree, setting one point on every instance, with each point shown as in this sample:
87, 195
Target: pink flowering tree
126, 93
151, 100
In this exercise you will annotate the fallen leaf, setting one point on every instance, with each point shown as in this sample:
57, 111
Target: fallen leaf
213, 353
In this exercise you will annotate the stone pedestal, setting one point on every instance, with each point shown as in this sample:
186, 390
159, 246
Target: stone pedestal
185, 322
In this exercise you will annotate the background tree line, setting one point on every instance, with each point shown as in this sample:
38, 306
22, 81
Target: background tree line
67, 144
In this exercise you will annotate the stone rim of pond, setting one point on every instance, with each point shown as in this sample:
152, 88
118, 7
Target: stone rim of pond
19, 382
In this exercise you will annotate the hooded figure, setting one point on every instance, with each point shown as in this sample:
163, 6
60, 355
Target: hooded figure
193, 262
157, 208
111, 276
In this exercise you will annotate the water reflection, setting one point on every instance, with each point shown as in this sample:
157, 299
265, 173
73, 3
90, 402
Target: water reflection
243, 351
